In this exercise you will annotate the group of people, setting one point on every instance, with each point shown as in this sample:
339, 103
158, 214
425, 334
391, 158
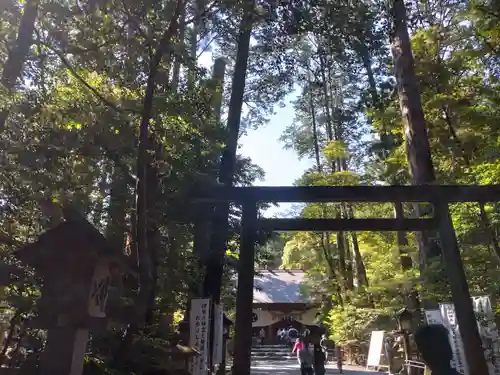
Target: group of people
287, 336
313, 358
431, 341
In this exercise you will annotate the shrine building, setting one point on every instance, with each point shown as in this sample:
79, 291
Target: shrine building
279, 302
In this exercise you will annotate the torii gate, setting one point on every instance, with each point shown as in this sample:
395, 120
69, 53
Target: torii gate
439, 196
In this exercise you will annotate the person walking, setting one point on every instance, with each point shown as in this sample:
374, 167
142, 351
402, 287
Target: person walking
293, 335
325, 345
306, 360
262, 335
298, 345
319, 360
339, 354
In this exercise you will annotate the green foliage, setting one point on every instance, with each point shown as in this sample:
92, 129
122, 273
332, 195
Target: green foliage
72, 97
352, 323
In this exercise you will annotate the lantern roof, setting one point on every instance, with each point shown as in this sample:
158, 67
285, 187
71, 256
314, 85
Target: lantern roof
73, 237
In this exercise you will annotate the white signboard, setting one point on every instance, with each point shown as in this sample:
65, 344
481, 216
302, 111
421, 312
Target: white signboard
218, 334
375, 351
489, 333
199, 324
449, 320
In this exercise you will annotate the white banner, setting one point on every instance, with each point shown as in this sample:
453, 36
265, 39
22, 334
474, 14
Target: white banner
218, 334
489, 333
449, 320
486, 327
199, 327
375, 350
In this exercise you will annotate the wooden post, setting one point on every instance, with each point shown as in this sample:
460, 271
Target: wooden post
244, 296
474, 352
66, 345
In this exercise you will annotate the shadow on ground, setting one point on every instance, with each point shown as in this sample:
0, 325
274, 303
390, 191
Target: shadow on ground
280, 368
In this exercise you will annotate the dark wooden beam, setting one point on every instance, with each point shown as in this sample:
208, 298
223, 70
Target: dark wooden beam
427, 193
244, 294
459, 288
354, 225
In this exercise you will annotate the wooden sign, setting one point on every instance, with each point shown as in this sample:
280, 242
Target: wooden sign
218, 334
199, 328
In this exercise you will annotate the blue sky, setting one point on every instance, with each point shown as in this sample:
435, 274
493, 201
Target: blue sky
282, 167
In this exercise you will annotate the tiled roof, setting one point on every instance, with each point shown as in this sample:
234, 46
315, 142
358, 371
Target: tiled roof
278, 286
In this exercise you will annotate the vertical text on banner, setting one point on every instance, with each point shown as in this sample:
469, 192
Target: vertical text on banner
488, 331
449, 320
199, 323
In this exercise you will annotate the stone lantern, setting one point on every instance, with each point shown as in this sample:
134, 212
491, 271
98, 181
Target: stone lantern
75, 263
404, 318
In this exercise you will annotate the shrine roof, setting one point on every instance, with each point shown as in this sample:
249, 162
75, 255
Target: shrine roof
279, 286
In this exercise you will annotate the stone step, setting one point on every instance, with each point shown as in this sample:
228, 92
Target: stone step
275, 358
259, 352
273, 355
272, 350
270, 346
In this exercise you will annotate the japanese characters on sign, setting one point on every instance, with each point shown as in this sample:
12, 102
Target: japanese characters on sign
486, 327
199, 321
99, 291
489, 333
450, 322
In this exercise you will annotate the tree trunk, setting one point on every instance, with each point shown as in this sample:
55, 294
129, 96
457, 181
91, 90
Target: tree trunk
349, 268
327, 253
117, 228
147, 182
422, 172
176, 70
13, 67
213, 276
327, 104
365, 58
417, 143
402, 240
312, 109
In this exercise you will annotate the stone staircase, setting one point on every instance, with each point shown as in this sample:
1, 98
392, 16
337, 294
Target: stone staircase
272, 353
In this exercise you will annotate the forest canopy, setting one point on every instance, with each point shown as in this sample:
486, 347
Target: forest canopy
105, 106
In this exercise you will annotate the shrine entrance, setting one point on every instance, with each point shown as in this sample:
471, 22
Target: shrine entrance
436, 196
279, 304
